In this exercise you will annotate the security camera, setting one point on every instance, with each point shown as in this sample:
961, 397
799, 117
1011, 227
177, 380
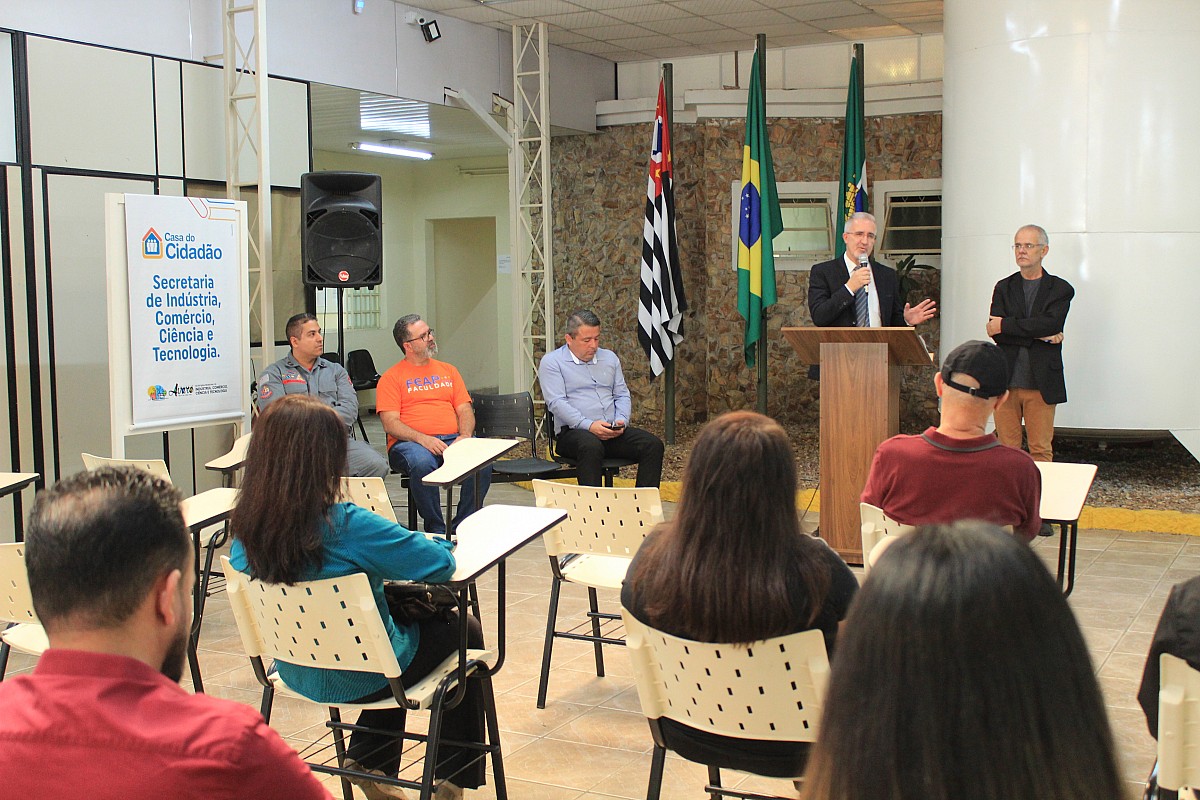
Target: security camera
413, 18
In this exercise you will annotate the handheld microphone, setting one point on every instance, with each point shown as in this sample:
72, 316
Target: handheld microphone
864, 260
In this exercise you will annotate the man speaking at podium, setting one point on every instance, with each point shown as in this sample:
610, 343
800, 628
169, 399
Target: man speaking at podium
857, 291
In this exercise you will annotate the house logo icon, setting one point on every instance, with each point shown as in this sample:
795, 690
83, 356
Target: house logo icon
152, 245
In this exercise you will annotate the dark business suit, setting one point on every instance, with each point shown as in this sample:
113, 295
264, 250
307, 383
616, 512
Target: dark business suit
831, 305
1021, 329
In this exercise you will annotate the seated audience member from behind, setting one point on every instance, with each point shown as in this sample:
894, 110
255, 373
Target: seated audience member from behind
957, 470
585, 390
1178, 633
961, 673
424, 406
733, 566
303, 371
102, 714
291, 525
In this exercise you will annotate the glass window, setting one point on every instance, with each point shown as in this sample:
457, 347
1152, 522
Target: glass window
360, 309
912, 224
807, 227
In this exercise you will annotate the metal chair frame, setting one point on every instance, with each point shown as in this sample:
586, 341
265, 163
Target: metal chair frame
772, 689
592, 548
23, 632
335, 624
510, 416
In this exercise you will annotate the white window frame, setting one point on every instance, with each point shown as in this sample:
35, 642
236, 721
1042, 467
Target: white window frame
362, 308
883, 192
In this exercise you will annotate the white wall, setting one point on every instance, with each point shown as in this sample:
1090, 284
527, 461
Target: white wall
901, 60
1086, 127
8, 119
323, 41
185, 29
415, 194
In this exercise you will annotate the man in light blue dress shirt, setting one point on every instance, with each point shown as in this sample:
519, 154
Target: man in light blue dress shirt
585, 391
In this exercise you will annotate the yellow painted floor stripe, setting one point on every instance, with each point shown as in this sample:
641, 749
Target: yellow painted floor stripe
1093, 517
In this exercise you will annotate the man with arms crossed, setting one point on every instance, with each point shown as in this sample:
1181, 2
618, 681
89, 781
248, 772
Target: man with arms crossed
424, 407
103, 715
1028, 315
585, 390
303, 371
956, 470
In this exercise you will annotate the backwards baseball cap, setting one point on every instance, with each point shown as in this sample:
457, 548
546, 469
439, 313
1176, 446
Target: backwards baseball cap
984, 362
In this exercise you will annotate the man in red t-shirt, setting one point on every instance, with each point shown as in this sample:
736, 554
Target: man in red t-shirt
102, 715
424, 407
956, 470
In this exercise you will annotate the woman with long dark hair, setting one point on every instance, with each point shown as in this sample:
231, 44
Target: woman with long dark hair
962, 673
289, 526
733, 566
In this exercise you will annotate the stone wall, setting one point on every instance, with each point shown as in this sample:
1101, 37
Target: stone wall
599, 209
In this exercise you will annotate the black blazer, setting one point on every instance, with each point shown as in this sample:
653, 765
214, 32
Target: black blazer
1018, 329
831, 306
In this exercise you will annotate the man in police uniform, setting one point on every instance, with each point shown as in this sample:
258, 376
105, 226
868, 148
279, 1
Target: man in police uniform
304, 371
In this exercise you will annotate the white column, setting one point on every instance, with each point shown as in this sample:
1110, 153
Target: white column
1082, 116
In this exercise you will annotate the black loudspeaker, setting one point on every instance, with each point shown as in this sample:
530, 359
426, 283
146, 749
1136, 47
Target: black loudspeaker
342, 240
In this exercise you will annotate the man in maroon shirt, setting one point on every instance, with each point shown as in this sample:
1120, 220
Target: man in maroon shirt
956, 470
103, 715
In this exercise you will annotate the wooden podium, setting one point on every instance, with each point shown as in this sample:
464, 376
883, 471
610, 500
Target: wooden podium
860, 407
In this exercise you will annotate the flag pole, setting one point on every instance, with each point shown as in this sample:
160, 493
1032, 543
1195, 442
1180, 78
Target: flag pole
669, 377
760, 44
862, 97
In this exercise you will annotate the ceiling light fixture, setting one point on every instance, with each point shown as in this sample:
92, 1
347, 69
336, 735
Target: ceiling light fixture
389, 150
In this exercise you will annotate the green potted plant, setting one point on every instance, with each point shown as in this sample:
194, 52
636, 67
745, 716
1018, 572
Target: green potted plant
904, 270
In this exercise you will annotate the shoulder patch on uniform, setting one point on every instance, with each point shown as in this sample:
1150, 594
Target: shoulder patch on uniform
264, 391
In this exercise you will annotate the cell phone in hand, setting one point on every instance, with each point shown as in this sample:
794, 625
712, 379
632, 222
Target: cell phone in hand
616, 426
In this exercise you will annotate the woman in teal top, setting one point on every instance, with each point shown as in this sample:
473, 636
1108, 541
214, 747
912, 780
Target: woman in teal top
289, 527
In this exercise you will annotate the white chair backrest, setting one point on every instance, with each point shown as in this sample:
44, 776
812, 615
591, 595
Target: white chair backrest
371, 494
331, 623
772, 689
1178, 724
600, 521
236, 456
155, 466
16, 604
876, 526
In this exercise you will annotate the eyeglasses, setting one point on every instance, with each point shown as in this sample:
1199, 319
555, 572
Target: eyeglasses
859, 234
1025, 247
424, 337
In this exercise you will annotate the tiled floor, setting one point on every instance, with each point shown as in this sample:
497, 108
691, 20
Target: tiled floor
591, 741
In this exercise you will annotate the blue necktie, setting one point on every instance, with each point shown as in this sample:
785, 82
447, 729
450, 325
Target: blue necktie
860, 308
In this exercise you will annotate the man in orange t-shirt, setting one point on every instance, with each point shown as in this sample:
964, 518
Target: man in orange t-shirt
424, 407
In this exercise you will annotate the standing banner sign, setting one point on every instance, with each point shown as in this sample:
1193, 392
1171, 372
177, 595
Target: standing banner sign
178, 313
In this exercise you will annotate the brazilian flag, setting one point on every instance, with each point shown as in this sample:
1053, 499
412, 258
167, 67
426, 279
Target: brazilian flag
761, 220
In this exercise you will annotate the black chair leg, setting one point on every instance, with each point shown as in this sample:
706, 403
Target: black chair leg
434, 735
412, 508
493, 737
593, 603
363, 429
4, 648
714, 780
657, 761
339, 747
264, 706
551, 619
